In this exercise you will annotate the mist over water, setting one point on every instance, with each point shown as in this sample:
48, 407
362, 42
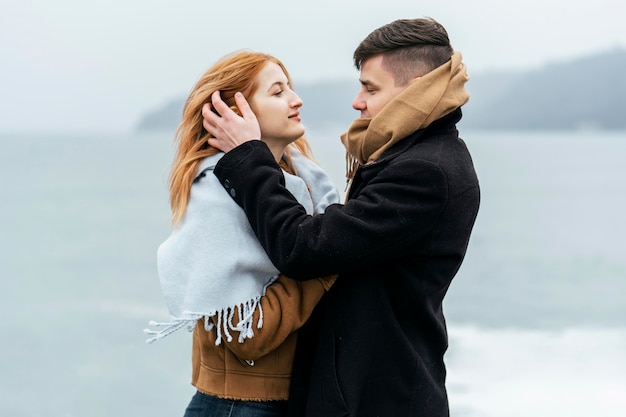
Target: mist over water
536, 315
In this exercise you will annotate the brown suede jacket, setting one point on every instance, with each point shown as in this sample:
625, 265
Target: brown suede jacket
259, 369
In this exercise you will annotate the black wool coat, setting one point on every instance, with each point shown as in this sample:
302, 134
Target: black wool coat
375, 345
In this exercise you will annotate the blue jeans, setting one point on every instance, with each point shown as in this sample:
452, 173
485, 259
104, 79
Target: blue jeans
203, 405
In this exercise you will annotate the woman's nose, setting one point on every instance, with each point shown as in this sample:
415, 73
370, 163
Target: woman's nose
296, 101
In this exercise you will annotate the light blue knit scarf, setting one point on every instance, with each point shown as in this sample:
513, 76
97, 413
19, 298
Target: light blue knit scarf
212, 265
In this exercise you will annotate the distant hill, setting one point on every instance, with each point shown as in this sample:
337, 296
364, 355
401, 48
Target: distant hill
166, 117
326, 103
578, 94
583, 93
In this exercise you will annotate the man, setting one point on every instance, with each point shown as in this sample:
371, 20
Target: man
376, 344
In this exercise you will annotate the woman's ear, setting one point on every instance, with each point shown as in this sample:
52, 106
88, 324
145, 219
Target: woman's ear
233, 108
236, 110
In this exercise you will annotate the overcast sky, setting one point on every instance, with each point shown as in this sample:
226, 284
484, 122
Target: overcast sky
76, 65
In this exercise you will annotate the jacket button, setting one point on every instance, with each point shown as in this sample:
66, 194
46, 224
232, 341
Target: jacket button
232, 192
226, 184
250, 362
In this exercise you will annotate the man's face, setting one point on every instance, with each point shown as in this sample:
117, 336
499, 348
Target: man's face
377, 87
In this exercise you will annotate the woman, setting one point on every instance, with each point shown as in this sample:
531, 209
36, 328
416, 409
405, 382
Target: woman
215, 276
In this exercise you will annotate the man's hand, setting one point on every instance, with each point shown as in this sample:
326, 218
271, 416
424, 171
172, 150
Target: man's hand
228, 129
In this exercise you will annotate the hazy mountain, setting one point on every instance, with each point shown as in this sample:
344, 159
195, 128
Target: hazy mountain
583, 93
166, 117
587, 92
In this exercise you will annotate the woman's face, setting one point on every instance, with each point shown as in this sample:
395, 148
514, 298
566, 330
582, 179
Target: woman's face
276, 107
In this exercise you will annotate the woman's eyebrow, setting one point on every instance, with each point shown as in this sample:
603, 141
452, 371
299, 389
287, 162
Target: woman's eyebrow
276, 83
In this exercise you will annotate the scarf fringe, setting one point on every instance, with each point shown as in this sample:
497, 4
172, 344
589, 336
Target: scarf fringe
245, 325
351, 165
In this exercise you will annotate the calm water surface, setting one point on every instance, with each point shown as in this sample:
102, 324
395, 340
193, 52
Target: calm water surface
537, 315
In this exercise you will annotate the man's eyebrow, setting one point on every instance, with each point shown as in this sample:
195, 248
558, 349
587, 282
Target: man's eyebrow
367, 83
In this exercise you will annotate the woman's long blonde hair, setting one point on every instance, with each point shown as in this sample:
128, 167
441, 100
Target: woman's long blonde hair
234, 72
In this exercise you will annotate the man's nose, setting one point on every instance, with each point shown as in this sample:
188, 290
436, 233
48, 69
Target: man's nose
358, 103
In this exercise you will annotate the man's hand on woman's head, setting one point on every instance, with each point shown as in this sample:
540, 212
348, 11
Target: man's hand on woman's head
228, 129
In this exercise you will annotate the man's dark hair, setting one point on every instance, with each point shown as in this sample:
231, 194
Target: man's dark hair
410, 48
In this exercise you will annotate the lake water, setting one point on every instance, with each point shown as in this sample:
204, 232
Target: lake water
537, 313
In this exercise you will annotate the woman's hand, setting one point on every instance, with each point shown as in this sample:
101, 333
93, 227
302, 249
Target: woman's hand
228, 129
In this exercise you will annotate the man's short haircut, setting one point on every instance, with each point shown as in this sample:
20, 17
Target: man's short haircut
410, 48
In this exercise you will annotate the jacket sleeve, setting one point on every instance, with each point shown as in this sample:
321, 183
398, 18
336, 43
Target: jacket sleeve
287, 304
398, 208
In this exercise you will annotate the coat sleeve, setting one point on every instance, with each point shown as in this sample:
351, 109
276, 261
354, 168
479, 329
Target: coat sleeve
287, 304
398, 208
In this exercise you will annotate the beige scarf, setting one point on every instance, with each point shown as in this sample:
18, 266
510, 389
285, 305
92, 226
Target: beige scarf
425, 100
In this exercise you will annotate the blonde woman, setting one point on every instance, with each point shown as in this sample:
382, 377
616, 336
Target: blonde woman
215, 276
